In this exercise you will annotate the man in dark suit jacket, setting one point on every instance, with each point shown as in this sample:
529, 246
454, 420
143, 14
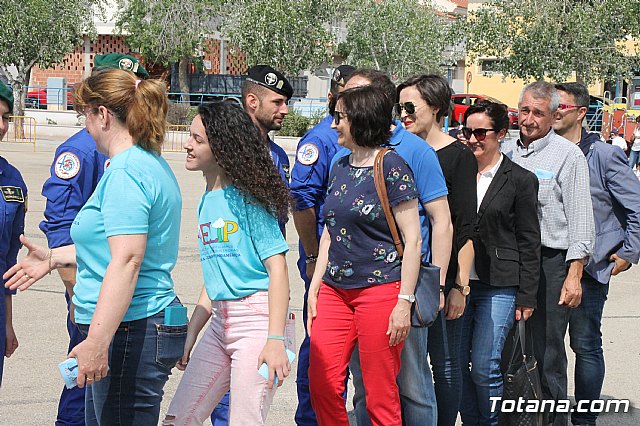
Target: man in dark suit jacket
616, 211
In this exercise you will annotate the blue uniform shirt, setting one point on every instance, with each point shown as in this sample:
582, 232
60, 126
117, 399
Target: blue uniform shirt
75, 172
12, 209
310, 175
281, 160
424, 163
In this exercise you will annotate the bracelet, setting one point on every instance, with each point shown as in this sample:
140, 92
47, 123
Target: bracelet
274, 337
50, 255
311, 259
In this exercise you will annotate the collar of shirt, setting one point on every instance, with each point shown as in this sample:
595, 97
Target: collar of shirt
586, 141
535, 146
492, 172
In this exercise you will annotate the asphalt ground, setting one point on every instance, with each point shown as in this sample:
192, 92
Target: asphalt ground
32, 385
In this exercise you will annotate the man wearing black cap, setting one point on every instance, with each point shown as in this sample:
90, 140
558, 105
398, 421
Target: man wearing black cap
309, 181
76, 169
265, 94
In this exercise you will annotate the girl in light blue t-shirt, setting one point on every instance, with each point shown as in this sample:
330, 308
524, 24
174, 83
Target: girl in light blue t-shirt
246, 286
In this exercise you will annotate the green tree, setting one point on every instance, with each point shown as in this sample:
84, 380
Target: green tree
40, 32
401, 37
290, 35
167, 31
538, 39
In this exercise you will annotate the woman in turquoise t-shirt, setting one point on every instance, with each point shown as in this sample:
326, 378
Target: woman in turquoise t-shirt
125, 246
246, 286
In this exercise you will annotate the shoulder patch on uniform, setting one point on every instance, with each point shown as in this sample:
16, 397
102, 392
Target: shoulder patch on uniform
12, 193
67, 165
308, 154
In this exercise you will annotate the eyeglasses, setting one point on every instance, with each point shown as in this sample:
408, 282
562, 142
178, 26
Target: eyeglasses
479, 133
567, 106
338, 115
409, 107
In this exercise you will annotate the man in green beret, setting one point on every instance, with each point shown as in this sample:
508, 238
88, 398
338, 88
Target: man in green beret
12, 209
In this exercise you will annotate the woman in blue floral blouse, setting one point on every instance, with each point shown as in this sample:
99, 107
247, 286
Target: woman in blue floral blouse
362, 290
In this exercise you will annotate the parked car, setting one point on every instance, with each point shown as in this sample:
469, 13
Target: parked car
462, 101
37, 98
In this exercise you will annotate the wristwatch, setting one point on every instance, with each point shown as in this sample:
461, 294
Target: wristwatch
408, 297
464, 289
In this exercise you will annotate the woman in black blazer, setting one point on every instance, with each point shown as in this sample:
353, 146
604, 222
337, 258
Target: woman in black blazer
504, 280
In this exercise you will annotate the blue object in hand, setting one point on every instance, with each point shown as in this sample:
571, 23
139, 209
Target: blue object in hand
69, 372
175, 315
264, 369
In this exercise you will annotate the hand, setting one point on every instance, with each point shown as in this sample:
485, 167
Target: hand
29, 269
276, 358
454, 306
12, 341
523, 312
310, 269
571, 294
186, 354
441, 306
93, 361
312, 303
621, 265
399, 322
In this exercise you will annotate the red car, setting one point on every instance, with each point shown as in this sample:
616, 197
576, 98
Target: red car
37, 98
462, 101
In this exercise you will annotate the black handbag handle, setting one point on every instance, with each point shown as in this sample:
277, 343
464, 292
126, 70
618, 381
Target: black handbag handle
521, 336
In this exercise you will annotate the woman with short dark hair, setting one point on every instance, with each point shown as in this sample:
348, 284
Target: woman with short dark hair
361, 290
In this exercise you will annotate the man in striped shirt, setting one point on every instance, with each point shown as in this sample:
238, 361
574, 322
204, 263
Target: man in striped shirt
566, 223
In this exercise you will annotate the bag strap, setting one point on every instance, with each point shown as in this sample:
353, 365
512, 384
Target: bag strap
519, 340
381, 189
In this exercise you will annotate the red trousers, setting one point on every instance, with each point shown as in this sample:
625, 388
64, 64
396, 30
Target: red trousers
345, 317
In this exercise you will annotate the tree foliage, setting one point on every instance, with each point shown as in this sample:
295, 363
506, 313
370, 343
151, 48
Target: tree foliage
401, 37
290, 35
40, 32
538, 39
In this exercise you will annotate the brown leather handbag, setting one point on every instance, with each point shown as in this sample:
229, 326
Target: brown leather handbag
425, 309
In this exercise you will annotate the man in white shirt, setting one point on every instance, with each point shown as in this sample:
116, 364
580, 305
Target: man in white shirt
618, 141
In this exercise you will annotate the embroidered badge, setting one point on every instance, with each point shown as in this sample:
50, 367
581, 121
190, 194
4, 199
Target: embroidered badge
308, 154
12, 194
125, 64
67, 165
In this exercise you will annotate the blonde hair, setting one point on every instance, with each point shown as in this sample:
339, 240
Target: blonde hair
141, 105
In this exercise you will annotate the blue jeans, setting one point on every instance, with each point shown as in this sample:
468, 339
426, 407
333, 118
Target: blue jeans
634, 158
71, 405
488, 317
549, 326
141, 356
444, 348
586, 342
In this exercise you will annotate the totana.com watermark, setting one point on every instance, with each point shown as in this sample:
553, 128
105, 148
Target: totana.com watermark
522, 405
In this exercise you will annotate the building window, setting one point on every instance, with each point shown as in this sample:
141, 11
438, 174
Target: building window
489, 66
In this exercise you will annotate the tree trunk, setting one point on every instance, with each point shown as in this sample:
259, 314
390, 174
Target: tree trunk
183, 78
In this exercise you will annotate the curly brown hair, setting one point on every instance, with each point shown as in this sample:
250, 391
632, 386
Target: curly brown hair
242, 153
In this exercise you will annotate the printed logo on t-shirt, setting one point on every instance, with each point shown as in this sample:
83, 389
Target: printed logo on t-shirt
215, 234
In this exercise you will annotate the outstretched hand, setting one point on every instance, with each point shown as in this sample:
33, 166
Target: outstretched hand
29, 269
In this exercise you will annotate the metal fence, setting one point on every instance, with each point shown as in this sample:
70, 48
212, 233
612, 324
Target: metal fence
175, 138
22, 129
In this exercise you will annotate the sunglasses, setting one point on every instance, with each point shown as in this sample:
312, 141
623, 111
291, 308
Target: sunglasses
480, 134
338, 115
567, 106
409, 107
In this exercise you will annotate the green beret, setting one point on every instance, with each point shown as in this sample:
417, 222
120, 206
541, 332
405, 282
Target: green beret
268, 77
6, 95
120, 61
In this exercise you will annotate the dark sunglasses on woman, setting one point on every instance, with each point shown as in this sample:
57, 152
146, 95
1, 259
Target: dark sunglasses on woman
480, 134
409, 107
337, 116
